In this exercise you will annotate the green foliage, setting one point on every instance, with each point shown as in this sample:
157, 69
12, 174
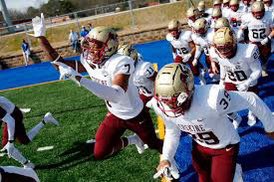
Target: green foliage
79, 113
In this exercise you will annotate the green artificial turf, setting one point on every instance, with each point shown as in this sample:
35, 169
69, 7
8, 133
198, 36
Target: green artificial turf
79, 113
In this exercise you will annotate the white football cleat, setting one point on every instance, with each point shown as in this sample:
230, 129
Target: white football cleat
29, 165
90, 141
139, 145
48, 118
251, 119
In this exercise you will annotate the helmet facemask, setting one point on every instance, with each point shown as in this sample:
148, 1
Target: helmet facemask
225, 42
100, 44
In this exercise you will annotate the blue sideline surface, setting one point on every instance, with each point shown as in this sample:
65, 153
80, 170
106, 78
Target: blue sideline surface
256, 150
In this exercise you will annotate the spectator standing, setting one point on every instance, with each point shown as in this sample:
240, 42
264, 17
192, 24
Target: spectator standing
74, 40
26, 51
90, 27
84, 32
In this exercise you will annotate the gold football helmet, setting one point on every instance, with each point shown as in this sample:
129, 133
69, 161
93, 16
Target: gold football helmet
99, 44
200, 26
192, 13
128, 50
220, 23
201, 6
225, 3
217, 3
174, 28
257, 9
224, 42
174, 86
216, 13
234, 5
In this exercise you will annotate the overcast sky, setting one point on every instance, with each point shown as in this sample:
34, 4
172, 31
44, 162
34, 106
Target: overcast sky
23, 4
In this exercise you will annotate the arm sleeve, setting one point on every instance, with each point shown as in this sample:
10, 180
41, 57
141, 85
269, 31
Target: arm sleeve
171, 141
248, 100
112, 94
255, 65
10, 125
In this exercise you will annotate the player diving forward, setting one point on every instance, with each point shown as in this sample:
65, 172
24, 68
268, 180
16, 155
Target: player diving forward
14, 128
202, 113
111, 80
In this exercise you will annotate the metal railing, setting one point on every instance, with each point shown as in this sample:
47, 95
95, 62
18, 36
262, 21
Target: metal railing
75, 16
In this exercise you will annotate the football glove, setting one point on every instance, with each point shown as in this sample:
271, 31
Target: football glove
186, 57
39, 26
195, 62
265, 40
243, 86
66, 72
9, 148
167, 170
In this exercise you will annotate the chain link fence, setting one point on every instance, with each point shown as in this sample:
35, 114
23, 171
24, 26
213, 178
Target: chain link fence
75, 16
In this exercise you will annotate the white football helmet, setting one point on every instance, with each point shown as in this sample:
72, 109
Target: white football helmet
174, 87
200, 26
224, 42
128, 50
99, 44
258, 10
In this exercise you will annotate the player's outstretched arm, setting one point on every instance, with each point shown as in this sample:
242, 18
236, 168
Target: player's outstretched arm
237, 101
39, 28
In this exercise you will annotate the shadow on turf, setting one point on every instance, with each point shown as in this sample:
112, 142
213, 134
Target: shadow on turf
68, 110
79, 153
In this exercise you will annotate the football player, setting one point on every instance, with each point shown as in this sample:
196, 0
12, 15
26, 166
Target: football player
268, 5
239, 64
202, 10
17, 174
246, 6
144, 74
183, 47
225, 8
14, 128
235, 15
192, 15
202, 113
111, 79
260, 28
216, 14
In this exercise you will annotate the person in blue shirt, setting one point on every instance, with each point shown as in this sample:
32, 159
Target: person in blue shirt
84, 31
26, 51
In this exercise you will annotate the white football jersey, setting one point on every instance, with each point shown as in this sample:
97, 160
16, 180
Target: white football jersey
235, 19
141, 78
7, 105
238, 69
203, 41
182, 43
206, 120
269, 8
225, 12
190, 23
258, 29
130, 105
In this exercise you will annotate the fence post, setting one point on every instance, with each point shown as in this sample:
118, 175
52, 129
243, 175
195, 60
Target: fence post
77, 21
27, 35
131, 14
